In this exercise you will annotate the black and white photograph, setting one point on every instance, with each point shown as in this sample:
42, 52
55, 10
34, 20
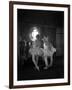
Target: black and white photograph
40, 44
40, 47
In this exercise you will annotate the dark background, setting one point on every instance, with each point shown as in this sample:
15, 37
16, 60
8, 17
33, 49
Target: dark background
51, 24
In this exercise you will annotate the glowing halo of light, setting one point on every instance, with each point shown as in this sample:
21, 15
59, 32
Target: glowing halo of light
34, 33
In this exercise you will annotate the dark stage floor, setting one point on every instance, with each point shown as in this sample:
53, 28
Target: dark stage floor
27, 71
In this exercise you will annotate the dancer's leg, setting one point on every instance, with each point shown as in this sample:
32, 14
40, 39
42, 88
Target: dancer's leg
33, 59
37, 59
51, 59
46, 63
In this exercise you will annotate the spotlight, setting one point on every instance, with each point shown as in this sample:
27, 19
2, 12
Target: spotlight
34, 34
